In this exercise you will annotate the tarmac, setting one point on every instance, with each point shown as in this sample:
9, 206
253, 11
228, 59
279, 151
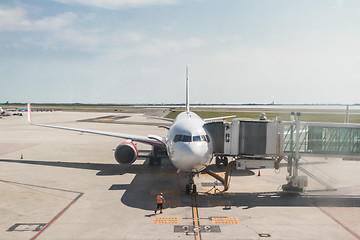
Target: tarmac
57, 184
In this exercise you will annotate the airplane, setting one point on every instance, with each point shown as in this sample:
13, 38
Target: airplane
7, 103
188, 144
3, 112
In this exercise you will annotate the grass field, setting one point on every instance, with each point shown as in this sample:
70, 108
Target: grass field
253, 114
308, 115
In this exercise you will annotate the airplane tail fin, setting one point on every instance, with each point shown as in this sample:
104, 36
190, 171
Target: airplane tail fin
187, 91
29, 113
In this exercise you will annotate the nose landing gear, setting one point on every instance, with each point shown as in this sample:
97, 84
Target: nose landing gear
191, 187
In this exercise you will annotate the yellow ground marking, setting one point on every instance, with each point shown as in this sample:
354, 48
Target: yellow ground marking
166, 220
219, 220
106, 119
195, 217
212, 191
207, 175
219, 203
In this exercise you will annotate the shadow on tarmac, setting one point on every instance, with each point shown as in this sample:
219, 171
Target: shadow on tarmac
149, 181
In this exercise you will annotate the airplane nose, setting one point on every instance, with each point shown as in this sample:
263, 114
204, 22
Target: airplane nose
190, 156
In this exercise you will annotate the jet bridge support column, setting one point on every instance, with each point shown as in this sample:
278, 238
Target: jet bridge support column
295, 182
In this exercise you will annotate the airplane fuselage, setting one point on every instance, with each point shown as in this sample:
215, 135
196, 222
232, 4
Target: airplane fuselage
189, 145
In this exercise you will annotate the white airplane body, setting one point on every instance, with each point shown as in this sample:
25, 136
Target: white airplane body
188, 144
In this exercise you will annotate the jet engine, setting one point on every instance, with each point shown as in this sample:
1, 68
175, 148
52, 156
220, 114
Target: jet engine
126, 153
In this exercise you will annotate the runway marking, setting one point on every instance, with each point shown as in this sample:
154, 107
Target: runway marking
106, 119
166, 220
28, 186
195, 215
13, 147
356, 235
207, 175
25, 186
26, 227
225, 220
57, 216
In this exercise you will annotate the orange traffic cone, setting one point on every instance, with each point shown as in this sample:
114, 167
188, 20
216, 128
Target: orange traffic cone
259, 173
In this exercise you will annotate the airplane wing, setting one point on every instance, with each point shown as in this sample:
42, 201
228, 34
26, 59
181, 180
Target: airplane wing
165, 119
152, 140
206, 120
218, 118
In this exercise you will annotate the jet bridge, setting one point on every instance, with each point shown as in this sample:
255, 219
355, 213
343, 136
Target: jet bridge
323, 139
240, 137
289, 140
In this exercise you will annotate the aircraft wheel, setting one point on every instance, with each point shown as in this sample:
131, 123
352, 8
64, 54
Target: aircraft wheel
217, 161
225, 161
194, 188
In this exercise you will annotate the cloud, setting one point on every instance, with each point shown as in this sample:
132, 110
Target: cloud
159, 47
156, 47
117, 4
16, 19
71, 38
338, 4
134, 37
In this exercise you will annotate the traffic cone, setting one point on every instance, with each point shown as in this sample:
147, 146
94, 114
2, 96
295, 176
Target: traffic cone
259, 173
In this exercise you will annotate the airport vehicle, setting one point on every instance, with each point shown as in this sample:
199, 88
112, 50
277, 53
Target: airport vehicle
188, 144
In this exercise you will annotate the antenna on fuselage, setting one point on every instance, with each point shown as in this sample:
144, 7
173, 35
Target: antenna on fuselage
187, 92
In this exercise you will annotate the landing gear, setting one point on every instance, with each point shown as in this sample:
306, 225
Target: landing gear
194, 188
221, 161
191, 187
156, 155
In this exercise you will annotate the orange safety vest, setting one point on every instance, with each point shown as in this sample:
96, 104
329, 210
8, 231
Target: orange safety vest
159, 199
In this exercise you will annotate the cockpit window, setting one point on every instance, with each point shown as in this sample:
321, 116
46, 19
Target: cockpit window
188, 138
178, 138
196, 138
205, 138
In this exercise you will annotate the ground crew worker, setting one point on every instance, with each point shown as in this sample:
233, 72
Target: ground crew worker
159, 202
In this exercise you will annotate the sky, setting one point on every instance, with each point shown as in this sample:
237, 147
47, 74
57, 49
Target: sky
136, 51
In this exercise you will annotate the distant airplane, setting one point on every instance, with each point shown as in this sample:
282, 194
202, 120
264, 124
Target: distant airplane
188, 144
7, 103
3, 112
